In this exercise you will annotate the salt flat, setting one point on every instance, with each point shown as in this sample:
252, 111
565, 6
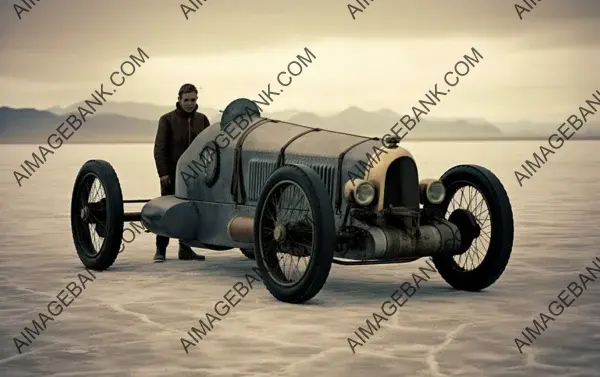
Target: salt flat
129, 320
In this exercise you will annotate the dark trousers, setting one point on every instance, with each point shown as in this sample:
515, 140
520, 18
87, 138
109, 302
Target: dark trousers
162, 241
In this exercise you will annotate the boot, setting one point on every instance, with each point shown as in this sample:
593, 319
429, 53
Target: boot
186, 253
161, 254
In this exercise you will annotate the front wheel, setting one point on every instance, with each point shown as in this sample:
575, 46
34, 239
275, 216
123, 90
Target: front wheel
477, 203
248, 253
97, 215
294, 236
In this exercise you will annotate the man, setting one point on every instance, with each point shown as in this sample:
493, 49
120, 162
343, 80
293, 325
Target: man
176, 131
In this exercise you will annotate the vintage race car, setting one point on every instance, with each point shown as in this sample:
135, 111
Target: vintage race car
297, 199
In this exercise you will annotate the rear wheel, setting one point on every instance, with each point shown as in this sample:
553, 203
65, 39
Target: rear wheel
294, 239
97, 215
477, 203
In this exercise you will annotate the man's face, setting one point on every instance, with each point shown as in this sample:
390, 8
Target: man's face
188, 101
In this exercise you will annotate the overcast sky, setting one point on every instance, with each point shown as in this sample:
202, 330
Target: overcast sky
538, 68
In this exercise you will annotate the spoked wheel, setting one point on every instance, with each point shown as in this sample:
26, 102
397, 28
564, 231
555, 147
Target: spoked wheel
477, 203
97, 215
294, 240
249, 253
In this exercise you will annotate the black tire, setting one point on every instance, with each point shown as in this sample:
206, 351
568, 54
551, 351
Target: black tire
501, 225
249, 253
321, 228
211, 156
106, 215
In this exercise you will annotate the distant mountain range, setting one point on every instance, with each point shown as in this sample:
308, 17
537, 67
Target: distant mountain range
129, 122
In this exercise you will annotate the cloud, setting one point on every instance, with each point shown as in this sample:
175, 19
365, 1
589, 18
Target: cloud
85, 40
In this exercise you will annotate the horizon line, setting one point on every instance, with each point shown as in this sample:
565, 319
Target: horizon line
318, 113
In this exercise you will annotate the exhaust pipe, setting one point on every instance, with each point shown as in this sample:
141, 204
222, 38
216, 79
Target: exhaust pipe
440, 237
241, 229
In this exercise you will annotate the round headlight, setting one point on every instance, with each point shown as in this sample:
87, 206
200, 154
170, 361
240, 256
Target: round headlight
364, 193
436, 192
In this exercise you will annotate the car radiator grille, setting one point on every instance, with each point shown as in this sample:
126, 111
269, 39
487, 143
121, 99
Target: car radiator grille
402, 184
261, 169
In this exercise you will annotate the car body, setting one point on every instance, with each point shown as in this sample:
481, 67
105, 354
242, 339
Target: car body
200, 215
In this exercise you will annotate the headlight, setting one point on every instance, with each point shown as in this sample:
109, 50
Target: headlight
435, 192
364, 193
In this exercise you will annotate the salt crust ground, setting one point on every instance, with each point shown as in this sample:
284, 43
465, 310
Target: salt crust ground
129, 321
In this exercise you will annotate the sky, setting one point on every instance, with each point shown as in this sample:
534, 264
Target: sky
539, 68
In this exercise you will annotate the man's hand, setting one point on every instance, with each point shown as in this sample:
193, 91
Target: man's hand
165, 181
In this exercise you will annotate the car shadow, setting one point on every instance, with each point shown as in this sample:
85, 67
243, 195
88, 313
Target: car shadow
337, 291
